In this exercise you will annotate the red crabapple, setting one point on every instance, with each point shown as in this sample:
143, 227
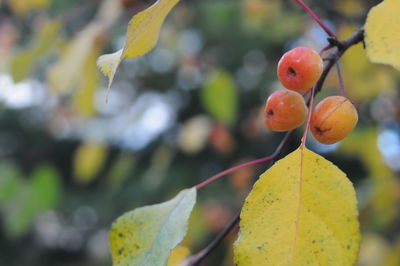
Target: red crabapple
285, 110
299, 69
333, 119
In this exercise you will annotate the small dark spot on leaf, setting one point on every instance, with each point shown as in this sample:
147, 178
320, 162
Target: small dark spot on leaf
120, 251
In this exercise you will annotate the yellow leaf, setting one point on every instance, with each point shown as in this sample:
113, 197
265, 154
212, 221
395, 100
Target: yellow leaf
88, 160
144, 28
363, 79
146, 236
382, 33
142, 35
90, 81
302, 211
177, 255
66, 74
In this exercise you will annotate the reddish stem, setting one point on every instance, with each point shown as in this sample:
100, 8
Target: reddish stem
316, 18
310, 107
270, 158
233, 169
340, 78
326, 48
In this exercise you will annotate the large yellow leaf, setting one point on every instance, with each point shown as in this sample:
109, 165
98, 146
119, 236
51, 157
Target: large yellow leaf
147, 235
382, 31
302, 211
141, 37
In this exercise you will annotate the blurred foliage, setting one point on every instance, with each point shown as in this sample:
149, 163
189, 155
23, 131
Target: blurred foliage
72, 162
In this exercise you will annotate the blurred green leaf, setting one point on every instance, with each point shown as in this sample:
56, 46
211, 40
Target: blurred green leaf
219, 96
33, 197
9, 181
147, 235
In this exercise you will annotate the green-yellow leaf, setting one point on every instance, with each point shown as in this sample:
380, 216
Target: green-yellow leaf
90, 81
302, 211
141, 37
147, 235
219, 96
382, 33
144, 28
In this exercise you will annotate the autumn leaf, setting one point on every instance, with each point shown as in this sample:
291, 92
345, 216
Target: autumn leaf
147, 235
302, 211
141, 37
382, 33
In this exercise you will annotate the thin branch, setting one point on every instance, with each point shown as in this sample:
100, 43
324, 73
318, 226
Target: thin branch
316, 18
310, 103
237, 167
357, 37
340, 78
198, 257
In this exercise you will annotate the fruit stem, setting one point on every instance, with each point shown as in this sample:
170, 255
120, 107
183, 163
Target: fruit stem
270, 158
233, 169
316, 18
310, 108
326, 48
340, 78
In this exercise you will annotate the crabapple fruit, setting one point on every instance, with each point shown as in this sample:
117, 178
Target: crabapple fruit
333, 119
299, 69
284, 110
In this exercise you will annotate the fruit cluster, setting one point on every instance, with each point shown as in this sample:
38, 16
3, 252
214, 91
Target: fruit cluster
298, 70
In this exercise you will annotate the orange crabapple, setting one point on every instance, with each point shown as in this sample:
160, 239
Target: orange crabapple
333, 119
300, 68
285, 110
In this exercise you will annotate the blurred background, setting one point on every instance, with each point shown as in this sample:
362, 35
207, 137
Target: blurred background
70, 163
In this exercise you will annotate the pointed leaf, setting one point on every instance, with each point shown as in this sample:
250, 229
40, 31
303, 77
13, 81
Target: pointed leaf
141, 37
144, 28
108, 64
382, 33
146, 236
302, 211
